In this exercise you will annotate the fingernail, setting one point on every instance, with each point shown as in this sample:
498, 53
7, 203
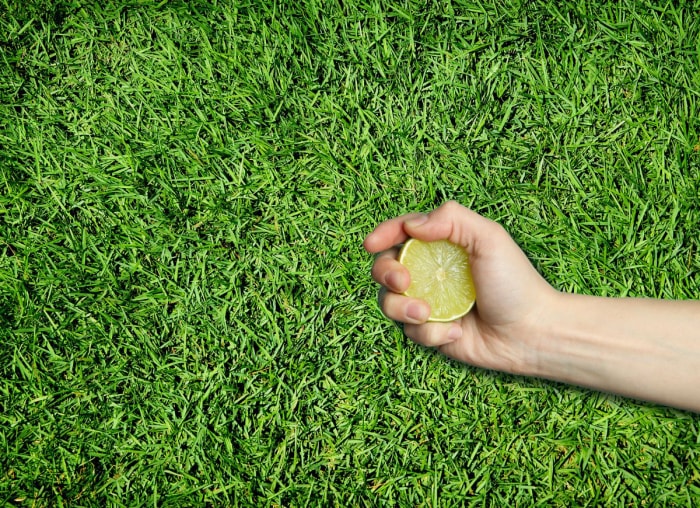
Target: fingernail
412, 223
416, 312
455, 332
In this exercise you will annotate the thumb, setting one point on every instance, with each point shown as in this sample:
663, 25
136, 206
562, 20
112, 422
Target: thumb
453, 222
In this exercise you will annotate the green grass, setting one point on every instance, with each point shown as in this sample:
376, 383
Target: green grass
186, 313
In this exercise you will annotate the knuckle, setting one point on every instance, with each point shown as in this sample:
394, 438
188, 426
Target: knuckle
432, 336
424, 334
497, 229
410, 331
376, 269
390, 305
451, 205
379, 269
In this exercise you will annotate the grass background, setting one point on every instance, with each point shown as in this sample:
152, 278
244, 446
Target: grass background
186, 312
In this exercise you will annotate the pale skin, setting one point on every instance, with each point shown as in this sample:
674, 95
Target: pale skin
641, 348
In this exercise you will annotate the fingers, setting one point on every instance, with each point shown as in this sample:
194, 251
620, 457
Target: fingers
388, 272
434, 334
414, 313
388, 234
403, 308
395, 279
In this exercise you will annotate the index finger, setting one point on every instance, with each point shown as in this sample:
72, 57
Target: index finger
388, 234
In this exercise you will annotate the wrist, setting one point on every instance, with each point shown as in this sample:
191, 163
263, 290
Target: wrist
537, 353
563, 350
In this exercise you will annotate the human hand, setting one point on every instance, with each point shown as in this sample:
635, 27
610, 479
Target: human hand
511, 297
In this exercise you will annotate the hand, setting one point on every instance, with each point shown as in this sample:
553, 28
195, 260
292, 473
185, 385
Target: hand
511, 297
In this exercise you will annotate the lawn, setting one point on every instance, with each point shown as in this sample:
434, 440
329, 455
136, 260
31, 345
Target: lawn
186, 312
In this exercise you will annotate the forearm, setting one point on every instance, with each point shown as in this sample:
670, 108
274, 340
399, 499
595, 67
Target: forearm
641, 348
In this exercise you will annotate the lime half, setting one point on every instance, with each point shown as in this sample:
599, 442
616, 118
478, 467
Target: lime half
441, 276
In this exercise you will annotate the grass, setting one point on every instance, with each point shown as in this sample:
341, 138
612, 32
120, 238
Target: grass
186, 312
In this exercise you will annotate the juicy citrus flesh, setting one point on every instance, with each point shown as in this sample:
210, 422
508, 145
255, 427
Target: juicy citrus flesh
441, 276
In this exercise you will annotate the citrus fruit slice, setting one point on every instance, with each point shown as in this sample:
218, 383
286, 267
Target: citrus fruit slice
441, 276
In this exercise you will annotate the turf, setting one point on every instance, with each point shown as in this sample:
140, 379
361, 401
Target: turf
186, 313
